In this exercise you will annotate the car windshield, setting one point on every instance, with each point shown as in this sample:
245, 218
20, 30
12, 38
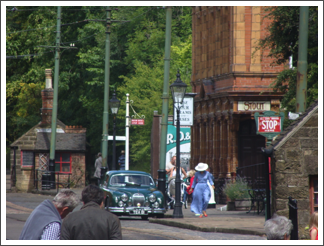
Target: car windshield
131, 180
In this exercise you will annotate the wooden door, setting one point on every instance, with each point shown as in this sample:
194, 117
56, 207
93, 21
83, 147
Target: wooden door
251, 158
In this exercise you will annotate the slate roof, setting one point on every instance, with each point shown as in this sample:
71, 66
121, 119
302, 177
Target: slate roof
294, 126
64, 141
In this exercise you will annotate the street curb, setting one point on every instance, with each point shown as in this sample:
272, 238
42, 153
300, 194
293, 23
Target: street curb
205, 229
171, 235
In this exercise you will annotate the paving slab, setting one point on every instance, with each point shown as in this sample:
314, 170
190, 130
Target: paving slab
238, 222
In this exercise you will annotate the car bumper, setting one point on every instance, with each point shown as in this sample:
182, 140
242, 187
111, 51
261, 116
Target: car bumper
131, 210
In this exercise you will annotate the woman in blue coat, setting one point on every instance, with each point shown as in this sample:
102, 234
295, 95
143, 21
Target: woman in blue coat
201, 194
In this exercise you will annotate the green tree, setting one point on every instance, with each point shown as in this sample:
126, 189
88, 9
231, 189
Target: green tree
283, 42
136, 52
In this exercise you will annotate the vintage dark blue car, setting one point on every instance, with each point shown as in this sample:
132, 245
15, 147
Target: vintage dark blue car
132, 193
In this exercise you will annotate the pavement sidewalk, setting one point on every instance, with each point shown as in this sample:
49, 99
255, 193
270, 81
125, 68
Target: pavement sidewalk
218, 220
237, 222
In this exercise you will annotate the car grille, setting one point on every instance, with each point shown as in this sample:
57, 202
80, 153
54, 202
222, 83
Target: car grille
138, 198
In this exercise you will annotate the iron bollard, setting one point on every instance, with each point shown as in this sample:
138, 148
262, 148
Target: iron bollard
292, 204
265, 208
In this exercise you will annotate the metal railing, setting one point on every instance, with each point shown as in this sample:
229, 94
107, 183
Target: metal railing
253, 174
44, 177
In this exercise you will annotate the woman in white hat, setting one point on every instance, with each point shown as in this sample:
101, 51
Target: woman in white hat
201, 194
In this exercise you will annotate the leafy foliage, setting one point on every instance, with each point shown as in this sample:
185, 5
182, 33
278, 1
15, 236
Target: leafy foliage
236, 190
283, 41
136, 67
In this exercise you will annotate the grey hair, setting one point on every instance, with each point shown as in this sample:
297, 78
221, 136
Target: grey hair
66, 198
277, 227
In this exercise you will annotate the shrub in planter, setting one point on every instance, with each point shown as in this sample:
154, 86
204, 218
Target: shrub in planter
236, 190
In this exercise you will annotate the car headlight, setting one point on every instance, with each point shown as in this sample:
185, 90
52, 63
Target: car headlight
156, 204
120, 204
124, 197
152, 198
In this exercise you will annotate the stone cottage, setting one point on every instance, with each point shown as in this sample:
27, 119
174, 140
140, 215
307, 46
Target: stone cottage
294, 166
30, 153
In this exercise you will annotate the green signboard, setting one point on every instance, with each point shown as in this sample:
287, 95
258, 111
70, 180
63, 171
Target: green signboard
269, 124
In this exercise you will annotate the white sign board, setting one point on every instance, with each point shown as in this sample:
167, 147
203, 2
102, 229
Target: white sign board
253, 106
186, 112
118, 138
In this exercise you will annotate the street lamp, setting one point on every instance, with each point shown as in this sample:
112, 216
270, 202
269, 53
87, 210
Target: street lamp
114, 106
178, 90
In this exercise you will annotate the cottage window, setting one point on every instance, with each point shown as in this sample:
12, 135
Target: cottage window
27, 158
63, 162
313, 193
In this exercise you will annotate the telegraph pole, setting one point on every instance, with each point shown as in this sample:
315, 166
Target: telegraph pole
104, 145
165, 102
105, 120
54, 112
301, 87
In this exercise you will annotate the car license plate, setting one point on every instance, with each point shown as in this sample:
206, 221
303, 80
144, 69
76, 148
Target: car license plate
138, 211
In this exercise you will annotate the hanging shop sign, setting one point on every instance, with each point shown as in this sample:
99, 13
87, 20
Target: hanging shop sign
253, 105
269, 124
137, 121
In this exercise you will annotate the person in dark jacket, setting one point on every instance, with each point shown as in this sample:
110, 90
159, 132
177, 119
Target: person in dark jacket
121, 160
44, 223
91, 222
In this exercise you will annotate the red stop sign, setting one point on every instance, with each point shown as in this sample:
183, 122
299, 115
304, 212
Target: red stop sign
269, 124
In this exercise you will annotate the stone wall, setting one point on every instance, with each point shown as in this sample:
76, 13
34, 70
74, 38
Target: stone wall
292, 164
25, 175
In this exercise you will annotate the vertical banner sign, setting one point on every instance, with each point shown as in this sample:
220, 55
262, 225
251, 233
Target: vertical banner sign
186, 112
185, 136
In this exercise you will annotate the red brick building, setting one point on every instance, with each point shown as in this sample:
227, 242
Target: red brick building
30, 153
232, 80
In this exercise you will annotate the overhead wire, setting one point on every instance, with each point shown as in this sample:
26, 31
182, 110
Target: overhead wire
22, 56
14, 9
77, 22
66, 24
75, 41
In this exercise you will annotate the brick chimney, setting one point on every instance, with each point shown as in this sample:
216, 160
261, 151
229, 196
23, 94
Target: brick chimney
47, 99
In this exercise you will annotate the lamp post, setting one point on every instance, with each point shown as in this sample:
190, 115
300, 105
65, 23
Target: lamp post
178, 90
114, 106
